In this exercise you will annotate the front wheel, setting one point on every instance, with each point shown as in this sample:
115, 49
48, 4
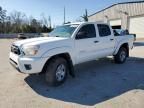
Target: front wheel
121, 56
56, 72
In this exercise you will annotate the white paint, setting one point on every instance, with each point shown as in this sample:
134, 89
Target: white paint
137, 26
115, 22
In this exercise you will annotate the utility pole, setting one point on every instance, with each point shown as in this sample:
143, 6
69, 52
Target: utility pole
64, 15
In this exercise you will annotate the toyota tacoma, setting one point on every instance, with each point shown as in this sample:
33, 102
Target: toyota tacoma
66, 46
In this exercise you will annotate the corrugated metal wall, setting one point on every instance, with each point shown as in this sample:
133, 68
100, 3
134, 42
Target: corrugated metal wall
119, 11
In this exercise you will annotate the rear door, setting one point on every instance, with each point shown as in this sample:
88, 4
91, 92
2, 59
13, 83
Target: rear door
106, 40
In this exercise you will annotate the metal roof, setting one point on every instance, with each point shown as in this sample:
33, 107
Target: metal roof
142, 1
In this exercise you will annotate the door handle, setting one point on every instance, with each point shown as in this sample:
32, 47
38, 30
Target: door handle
111, 39
96, 41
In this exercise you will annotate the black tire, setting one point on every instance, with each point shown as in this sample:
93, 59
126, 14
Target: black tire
118, 57
52, 73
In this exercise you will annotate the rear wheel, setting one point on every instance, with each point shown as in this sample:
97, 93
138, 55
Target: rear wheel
121, 56
56, 71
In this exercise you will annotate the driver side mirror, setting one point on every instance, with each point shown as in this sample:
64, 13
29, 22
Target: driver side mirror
81, 35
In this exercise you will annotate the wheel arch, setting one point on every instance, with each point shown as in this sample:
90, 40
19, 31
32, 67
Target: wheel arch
66, 56
124, 45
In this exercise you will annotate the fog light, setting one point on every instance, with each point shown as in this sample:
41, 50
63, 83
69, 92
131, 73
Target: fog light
28, 66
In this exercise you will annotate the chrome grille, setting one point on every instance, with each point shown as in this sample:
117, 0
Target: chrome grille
15, 49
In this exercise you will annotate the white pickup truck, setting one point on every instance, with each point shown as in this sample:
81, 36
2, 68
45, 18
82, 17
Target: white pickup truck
66, 46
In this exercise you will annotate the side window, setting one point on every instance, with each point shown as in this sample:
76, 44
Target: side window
87, 31
104, 30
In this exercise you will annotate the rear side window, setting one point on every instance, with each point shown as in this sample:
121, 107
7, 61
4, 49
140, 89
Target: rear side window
104, 30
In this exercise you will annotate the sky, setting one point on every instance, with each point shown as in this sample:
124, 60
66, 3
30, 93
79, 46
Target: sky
54, 8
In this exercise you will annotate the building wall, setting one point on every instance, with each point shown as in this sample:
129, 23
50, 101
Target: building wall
119, 11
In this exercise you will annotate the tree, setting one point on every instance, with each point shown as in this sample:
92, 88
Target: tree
50, 27
7, 25
17, 20
2, 15
35, 26
44, 20
44, 29
2, 19
17, 17
85, 16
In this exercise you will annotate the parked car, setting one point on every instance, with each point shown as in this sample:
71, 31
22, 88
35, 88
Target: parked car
67, 46
22, 36
29, 35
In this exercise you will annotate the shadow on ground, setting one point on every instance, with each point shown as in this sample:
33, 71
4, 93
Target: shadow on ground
95, 82
138, 44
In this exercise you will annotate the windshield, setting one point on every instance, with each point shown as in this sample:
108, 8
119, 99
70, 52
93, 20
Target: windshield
63, 31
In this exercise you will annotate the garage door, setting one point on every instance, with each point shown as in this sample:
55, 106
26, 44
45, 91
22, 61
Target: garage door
116, 24
137, 26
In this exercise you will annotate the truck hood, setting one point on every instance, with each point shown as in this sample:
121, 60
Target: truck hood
45, 43
38, 41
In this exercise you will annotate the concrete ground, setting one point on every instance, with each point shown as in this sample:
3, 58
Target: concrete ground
99, 84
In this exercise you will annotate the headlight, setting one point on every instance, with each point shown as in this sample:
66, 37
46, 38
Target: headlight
30, 50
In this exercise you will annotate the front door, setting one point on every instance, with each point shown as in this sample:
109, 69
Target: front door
86, 43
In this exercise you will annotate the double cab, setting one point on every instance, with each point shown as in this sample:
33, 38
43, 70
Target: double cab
66, 46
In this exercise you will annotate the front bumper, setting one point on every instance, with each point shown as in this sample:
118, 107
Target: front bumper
14, 64
19, 63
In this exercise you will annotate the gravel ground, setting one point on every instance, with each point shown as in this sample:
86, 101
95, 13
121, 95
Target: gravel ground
99, 84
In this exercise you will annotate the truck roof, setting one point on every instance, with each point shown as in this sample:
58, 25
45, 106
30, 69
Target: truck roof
78, 23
